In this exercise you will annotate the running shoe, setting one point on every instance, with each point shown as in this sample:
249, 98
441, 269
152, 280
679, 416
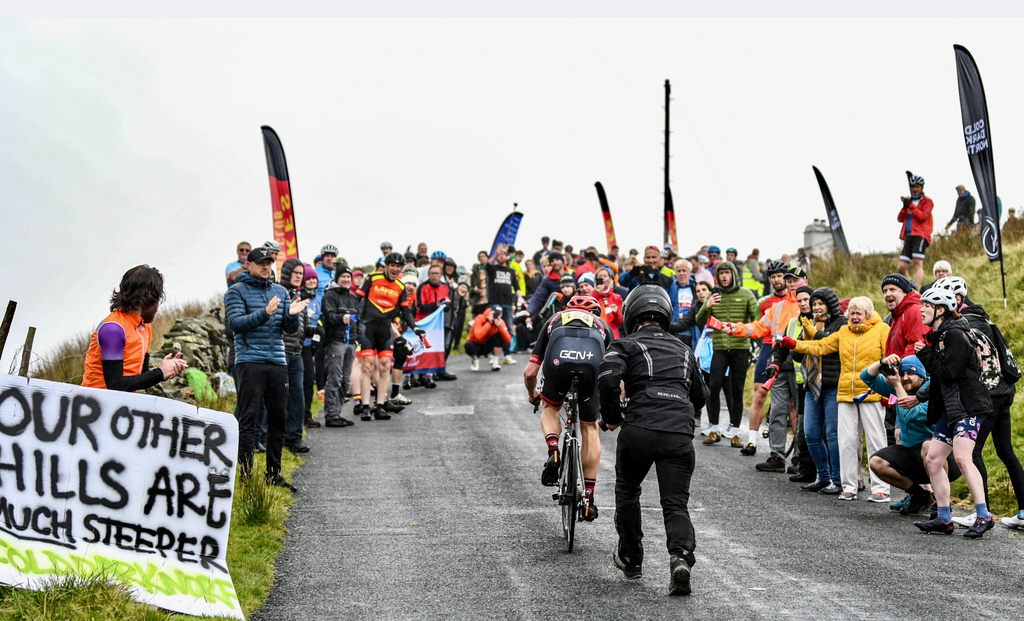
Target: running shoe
495, 364
749, 450
772, 464
981, 526
936, 526
848, 496
918, 503
967, 521
630, 570
679, 576
831, 490
879, 497
549, 476
898, 506
1014, 521
474, 364
731, 432
736, 442
712, 438
509, 360
706, 430
816, 486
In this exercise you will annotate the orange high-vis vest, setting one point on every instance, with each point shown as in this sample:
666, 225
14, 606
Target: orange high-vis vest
137, 337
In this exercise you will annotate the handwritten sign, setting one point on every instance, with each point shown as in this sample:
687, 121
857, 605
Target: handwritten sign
128, 487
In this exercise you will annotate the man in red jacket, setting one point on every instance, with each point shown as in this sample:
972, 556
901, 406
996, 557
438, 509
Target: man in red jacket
916, 232
905, 307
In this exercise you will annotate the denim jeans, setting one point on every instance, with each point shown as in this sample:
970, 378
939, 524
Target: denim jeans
296, 400
508, 315
821, 429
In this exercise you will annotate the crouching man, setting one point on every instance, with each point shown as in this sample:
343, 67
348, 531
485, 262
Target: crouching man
664, 388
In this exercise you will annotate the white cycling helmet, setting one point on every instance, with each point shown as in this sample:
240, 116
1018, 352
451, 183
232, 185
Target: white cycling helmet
955, 284
272, 245
940, 297
329, 249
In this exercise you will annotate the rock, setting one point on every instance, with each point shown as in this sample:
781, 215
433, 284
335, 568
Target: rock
201, 342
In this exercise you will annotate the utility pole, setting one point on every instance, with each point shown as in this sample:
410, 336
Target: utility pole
665, 235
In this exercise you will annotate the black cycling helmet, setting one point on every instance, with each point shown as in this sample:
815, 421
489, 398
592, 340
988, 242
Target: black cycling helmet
776, 267
450, 261
394, 257
409, 256
647, 301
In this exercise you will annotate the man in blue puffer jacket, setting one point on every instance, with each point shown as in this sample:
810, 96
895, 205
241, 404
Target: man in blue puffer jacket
258, 318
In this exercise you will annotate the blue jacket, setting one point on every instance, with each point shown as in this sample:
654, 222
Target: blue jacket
547, 286
679, 312
257, 334
914, 427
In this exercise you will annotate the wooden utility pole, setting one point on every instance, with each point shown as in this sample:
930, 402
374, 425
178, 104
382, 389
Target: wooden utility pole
5, 327
26, 353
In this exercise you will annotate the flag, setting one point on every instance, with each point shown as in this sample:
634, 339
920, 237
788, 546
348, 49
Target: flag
507, 231
280, 198
978, 139
609, 230
426, 359
670, 222
834, 224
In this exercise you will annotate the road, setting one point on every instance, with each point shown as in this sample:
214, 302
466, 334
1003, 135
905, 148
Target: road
439, 514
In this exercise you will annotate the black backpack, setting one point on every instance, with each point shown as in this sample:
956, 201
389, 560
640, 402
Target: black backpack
1007, 363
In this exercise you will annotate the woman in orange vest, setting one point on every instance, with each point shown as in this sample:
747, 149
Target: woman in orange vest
118, 356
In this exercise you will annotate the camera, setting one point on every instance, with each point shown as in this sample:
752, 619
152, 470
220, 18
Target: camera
718, 290
887, 369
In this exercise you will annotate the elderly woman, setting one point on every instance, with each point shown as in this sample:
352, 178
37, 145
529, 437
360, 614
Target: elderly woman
859, 343
940, 271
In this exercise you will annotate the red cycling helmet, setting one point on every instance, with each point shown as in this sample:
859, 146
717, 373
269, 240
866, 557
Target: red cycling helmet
584, 303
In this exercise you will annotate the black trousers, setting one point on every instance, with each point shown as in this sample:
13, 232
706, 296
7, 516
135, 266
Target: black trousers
672, 456
803, 459
260, 383
737, 361
478, 350
998, 425
308, 376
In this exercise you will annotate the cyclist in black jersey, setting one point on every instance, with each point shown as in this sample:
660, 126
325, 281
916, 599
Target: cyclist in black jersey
573, 341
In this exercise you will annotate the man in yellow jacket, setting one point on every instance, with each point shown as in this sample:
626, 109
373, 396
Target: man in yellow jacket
783, 394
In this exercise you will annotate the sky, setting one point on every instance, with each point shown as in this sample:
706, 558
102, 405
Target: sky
138, 141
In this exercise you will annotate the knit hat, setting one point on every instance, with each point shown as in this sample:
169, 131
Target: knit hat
806, 289
340, 269
911, 364
308, 272
567, 281
409, 279
588, 277
900, 281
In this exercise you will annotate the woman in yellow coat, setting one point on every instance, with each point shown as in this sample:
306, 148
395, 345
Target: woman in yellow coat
860, 343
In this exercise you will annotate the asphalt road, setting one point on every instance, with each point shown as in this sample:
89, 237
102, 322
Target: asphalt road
439, 514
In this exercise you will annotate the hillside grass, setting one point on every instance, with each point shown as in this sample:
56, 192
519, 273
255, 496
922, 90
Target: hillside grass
862, 275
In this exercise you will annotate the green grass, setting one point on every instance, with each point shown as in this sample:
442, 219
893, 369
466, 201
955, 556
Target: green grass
253, 546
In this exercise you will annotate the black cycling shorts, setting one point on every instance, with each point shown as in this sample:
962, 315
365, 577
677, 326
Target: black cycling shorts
570, 351
376, 340
913, 248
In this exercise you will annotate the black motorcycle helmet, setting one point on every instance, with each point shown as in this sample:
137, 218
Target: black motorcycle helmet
648, 301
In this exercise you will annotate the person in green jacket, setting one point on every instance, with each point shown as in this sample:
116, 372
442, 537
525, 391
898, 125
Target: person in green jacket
729, 302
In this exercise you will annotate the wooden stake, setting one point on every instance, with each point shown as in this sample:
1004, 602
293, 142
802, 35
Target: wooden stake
26, 353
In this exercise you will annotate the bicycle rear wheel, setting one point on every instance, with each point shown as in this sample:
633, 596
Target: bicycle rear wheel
570, 494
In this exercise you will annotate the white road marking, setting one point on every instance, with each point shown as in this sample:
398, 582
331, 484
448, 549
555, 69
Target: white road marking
444, 410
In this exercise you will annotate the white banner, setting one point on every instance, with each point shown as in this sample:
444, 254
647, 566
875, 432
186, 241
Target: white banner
125, 486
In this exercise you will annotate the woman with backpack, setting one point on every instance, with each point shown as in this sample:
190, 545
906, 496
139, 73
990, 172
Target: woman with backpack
958, 404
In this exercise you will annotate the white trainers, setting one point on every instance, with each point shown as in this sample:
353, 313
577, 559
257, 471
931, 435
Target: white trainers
707, 430
474, 364
967, 521
730, 432
495, 364
509, 360
1013, 521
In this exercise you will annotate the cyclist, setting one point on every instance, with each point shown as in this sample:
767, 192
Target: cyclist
664, 390
383, 299
572, 341
776, 271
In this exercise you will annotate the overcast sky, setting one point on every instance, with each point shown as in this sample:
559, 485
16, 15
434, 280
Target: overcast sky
128, 142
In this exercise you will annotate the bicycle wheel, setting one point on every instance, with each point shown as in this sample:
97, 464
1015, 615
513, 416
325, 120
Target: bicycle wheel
570, 493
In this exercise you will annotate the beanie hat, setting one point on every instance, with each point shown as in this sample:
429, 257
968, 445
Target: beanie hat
911, 364
588, 277
900, 281
567, 281
308, 272
806, 289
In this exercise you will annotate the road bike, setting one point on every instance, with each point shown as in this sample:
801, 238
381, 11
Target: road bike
570, 494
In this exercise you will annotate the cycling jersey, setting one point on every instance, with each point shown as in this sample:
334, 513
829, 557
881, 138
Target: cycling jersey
572, 342
383, 300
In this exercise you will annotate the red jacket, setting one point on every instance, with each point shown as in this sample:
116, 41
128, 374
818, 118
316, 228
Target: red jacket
920, 219
429, 297
906, 328
613, 319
